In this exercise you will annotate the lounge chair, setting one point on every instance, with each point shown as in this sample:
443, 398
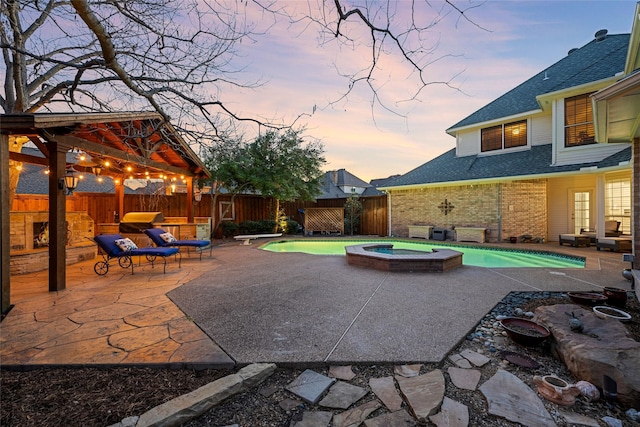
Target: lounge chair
162, 239
574, 240
615, 244
611, 229
116, 246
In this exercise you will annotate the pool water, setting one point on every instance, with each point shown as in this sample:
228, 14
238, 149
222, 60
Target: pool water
473, 256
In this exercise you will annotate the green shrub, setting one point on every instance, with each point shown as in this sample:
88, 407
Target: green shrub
229, 228
267, 226
250, 227
291, 227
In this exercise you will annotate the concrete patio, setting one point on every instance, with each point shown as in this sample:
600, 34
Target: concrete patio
246, 305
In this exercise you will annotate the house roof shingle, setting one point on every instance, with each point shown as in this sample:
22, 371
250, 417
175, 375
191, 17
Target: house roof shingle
594, 61
536, 161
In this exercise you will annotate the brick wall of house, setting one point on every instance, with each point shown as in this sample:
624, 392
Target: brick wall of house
524, 209
472, 206
523, 205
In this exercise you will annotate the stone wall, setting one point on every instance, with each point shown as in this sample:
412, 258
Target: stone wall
38, 259
522, 205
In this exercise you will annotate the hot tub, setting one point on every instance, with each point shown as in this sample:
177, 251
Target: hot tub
383, 257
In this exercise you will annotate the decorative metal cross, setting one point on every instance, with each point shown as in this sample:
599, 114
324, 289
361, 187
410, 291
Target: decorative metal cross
446, 207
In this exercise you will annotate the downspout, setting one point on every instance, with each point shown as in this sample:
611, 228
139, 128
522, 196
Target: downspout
499, 213
389, 213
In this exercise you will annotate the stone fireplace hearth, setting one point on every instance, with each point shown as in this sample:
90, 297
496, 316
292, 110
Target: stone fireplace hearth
29, 240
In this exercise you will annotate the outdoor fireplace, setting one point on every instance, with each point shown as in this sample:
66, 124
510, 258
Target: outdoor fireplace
40, 234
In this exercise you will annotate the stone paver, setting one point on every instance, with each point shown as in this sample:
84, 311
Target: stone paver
310, 386
460, 361
510, 398
452, 414
578, 419
466, 379
423, 393
393, 419
354, 417
385, 389
342, 372
314, 419
476, 358
342, 395
407, 371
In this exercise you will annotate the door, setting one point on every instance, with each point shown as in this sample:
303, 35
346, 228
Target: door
580, 210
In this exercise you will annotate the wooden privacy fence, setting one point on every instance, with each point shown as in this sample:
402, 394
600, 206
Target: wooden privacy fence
101, 206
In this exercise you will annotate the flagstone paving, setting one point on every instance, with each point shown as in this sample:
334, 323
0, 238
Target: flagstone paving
114, 319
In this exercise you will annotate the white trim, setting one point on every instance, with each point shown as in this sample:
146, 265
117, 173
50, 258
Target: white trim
494, 122
504, 179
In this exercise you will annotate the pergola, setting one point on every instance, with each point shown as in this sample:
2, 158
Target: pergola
123, 145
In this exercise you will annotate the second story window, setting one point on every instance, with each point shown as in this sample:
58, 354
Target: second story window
508, 135
578, 121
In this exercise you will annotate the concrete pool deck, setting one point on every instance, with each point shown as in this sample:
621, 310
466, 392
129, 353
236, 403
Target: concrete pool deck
246, 305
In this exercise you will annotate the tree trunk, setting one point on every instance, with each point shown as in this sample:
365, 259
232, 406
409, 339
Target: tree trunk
277, 215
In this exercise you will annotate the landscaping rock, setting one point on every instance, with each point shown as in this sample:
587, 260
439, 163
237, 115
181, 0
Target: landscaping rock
310, 386
424, 393
354, 417
394, 419
314, 419
342, 395
452, 414
604, 348
386, 391
510, 398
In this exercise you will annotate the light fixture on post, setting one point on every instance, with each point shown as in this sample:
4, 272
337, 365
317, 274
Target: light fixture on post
96, 170
69, 183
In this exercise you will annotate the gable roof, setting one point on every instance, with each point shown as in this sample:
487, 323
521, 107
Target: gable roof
334, 180
447, 168
140, 141
597, 60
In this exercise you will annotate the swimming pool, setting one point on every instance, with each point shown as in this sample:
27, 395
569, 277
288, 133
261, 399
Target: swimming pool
473, 255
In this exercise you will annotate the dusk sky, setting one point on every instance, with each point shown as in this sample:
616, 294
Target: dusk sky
517, 40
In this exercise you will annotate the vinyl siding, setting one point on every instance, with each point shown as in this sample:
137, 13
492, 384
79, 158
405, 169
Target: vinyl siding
541, 127
468, 143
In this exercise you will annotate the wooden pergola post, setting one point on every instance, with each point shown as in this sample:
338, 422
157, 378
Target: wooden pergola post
189, 199
5, 204
57, 217
120, 198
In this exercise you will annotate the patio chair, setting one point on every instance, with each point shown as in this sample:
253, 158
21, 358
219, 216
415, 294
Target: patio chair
162, 239
611, 229
114, 246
